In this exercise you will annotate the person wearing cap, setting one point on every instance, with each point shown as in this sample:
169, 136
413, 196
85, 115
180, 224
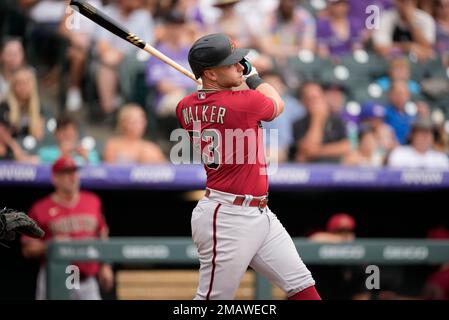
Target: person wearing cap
232, 225
419, 153
372, 114
339, 282
339, 228
69, 214
367, 152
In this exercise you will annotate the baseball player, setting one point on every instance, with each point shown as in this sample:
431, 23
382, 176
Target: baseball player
69, 214
232, 226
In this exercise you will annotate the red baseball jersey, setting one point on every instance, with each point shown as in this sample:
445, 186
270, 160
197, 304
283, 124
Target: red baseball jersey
437, 285
83, 221
226, 126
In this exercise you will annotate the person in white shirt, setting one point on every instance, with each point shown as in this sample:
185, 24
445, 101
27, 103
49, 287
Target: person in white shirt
405, 29
420, 152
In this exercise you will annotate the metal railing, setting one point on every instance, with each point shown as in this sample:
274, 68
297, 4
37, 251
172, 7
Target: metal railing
181, 251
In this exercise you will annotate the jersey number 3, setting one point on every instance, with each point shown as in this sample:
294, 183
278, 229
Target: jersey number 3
210, 152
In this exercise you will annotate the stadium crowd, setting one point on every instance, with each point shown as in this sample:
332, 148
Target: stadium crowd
364, 84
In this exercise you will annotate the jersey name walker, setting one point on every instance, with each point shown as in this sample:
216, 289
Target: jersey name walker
225, 126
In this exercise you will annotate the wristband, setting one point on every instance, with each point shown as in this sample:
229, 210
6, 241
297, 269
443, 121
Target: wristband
254, 81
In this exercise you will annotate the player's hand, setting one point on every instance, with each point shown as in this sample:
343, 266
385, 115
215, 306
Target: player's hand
106, 277
320, 109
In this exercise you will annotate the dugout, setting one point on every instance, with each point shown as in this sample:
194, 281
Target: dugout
385, 204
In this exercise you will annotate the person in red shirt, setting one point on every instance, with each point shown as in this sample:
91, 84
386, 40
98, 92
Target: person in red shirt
437, 284
69, 214
232, 226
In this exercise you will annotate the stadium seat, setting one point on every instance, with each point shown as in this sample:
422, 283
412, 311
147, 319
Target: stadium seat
308, 66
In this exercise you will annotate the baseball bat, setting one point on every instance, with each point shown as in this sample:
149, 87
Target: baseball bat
109, 24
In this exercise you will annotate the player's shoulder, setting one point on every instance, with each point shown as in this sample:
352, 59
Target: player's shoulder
44, 202
41, 206
245, 96
89, 196
245, 93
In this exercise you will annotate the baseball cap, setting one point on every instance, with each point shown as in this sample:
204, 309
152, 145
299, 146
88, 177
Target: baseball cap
64, 164
174, 17
340, 221
438, 233
214, 50
372, 110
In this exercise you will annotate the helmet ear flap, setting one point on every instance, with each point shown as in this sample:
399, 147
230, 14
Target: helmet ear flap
247, 67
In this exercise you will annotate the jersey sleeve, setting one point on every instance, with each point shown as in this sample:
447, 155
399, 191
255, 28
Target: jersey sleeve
102, 225
33, 214
261, 107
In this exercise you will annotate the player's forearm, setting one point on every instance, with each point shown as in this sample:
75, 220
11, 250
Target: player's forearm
36, 249
334, 149
268, 91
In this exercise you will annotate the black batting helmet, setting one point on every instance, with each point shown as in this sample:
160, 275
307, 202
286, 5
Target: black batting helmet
215, 50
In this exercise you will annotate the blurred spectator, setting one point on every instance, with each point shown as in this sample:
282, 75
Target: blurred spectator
437, 284
372, 115
129, 146
233, 24
259, 10
115, 54
399, 69
429, 6
289, 29
358, 12
442, 25
10, 149
339, 282
336, 96
12, 57
337, 34
320, 136
79, 31
397, 115
422, 109
420, 152
22, 107
339, 228
405, 29
170, 84
284, 123
69, 214
45, 45
68, 144
193, 15
367, 152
